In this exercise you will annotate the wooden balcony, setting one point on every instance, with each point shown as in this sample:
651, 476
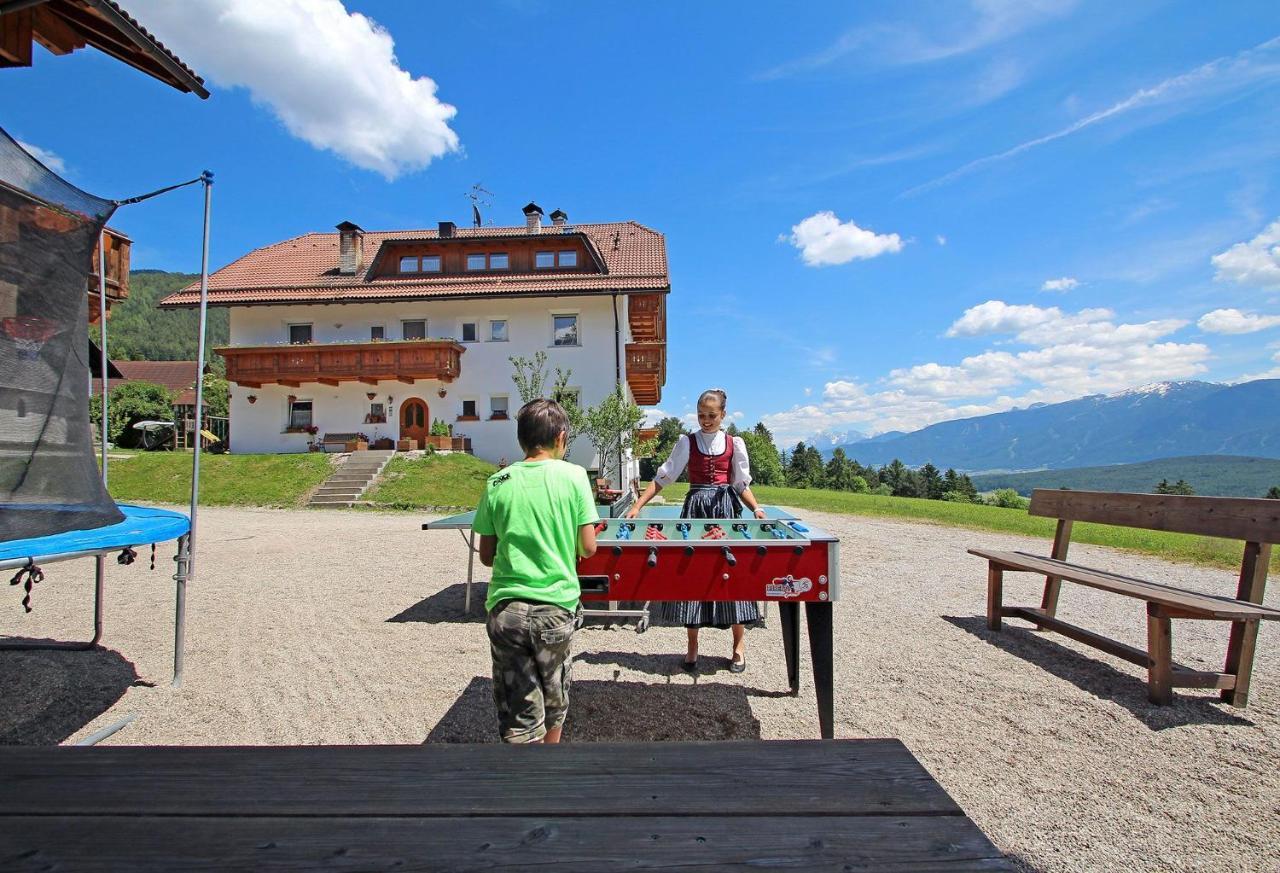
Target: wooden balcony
117, 259
647, 371
334, 363
647, 316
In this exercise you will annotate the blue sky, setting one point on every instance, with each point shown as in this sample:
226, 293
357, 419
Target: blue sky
876, 217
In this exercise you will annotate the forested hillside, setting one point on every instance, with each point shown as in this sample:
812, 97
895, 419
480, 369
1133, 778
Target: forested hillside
139, 331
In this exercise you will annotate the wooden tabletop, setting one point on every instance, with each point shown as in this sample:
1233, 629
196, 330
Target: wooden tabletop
795, 805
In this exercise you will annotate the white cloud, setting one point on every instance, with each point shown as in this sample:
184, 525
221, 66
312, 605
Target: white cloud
1256, 262
1062, 286
44, 156
824, 240
1066, 355
942, 240
330, 76
1219, 76
1273, 373
989, 22
1235, 321
653, 416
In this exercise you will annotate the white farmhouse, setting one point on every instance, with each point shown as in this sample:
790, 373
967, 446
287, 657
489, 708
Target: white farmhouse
382, 333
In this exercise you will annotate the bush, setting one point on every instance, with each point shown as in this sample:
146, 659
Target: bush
957, 497
132, 402
1007, 498
883, 490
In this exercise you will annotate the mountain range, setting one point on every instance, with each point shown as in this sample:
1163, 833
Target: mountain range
1161, 420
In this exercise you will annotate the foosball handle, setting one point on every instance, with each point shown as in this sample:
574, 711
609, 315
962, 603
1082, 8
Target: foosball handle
729, 558
652, 560
689, 550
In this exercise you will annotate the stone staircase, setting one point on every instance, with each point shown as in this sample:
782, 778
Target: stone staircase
345, 485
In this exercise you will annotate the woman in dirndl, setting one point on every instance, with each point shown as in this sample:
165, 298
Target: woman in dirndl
719, 483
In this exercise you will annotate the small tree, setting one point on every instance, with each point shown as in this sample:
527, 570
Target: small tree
217, 396
766, 465
1179, 487
670, 432
1007, 498
611, 427
1274, 492
530, 376
131, 402
571, 402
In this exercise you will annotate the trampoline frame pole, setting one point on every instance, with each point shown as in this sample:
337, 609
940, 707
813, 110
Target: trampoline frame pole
102, 332
186, 546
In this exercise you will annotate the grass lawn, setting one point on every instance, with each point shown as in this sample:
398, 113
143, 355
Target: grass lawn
225, 480
1175, 547
435, 480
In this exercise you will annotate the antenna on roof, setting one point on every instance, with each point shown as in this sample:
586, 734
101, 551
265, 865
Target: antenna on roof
478, 196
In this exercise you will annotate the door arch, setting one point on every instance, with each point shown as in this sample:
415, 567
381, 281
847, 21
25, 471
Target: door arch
415, 420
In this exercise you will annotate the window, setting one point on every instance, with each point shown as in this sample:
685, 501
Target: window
299, 414
431, 263
543, 260
569, 259
469, 409
299, 334
377, 332
498, 407
498, 330
498, 262
470, 331
477, 262
377, 413
409, 265
564, 330
415, 329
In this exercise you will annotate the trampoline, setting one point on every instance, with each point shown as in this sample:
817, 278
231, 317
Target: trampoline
54, 504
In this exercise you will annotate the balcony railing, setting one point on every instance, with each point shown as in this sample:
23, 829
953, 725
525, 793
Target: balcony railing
646, 371
333, 363
647, 316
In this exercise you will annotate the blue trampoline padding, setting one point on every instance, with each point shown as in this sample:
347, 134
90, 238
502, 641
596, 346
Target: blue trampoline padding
142, 524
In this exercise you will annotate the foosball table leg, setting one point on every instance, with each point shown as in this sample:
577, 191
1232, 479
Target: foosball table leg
819, 619
789, 613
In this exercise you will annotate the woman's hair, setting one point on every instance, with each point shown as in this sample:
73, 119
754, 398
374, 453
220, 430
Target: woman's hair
539, 423
718, 394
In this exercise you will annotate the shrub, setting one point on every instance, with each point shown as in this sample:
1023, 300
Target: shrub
1008, 499
956, 497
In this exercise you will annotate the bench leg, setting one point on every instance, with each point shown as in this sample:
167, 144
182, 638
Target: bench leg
1049, 602
995, 596
1240, 648
1160, 653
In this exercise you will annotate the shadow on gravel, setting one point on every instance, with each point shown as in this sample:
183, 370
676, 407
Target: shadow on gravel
601, 711
445, 606
1099, 678
48, 696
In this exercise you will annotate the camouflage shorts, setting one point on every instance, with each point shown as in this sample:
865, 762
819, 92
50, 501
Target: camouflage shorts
531, 661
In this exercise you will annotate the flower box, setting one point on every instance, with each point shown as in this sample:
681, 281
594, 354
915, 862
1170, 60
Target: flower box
357, 446
468, 418
407, 446
439, 442
383, 443
498, 416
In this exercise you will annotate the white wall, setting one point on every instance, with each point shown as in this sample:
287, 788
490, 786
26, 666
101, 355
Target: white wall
485, 368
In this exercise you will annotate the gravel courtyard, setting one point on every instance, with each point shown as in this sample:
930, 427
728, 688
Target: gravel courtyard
347, 627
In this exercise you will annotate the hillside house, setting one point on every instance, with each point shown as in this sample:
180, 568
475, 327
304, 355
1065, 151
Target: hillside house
384, 332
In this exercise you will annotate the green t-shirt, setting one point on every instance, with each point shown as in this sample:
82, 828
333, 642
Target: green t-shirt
535, 508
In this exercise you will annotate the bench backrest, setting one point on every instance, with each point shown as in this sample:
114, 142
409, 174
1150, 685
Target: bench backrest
1253, 519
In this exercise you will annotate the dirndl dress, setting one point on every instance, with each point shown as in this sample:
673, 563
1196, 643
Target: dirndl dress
709, 499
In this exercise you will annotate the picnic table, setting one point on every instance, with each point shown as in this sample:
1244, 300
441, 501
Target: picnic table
781, 805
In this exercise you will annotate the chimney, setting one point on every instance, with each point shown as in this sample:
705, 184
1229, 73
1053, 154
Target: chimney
559, 218
533, 218
350, 248
447, 229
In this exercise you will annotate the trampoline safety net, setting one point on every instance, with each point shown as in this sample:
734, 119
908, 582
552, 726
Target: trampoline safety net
49, 479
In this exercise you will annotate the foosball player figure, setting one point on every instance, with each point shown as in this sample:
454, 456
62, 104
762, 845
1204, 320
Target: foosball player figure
719, 483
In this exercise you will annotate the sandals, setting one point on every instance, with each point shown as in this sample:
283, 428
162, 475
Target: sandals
736, 666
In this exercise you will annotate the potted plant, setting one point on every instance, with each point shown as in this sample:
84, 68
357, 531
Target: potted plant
312, 444
359, 444
406, 445
440, 435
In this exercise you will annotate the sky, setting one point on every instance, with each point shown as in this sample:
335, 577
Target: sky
878, 216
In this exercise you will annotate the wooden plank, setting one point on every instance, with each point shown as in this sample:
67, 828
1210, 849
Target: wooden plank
1160, 653
1235, 518
15, 39
1215, 607
1243, 640
54, 33
805, 777
1201, 679
1053, 584
995, 595
1112, 647
944, 844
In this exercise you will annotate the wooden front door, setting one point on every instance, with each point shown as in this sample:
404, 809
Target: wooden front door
415, 421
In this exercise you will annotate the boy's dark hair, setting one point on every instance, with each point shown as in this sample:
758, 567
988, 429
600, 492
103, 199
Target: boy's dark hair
539, 423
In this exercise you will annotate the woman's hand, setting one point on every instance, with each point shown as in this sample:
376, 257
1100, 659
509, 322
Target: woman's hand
634, 511
761, 514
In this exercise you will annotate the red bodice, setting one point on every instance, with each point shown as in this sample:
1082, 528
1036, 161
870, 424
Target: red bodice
707, 469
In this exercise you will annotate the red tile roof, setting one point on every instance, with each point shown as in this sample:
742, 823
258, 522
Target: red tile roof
304, 269
177, 376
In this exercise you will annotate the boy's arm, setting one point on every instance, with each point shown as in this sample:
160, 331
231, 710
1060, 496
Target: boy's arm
489, 547
587, 516
586, 541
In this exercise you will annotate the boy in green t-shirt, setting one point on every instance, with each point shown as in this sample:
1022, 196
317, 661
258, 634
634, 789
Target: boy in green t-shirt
535, 519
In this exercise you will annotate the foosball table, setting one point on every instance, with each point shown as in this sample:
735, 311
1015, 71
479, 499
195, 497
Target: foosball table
661, 557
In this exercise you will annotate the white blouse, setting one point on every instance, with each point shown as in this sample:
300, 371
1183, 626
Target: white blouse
739, 469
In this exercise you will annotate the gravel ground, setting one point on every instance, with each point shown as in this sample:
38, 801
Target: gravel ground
346, 627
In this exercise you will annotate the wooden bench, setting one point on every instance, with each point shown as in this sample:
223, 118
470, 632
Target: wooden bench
338, 439
1256, 521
